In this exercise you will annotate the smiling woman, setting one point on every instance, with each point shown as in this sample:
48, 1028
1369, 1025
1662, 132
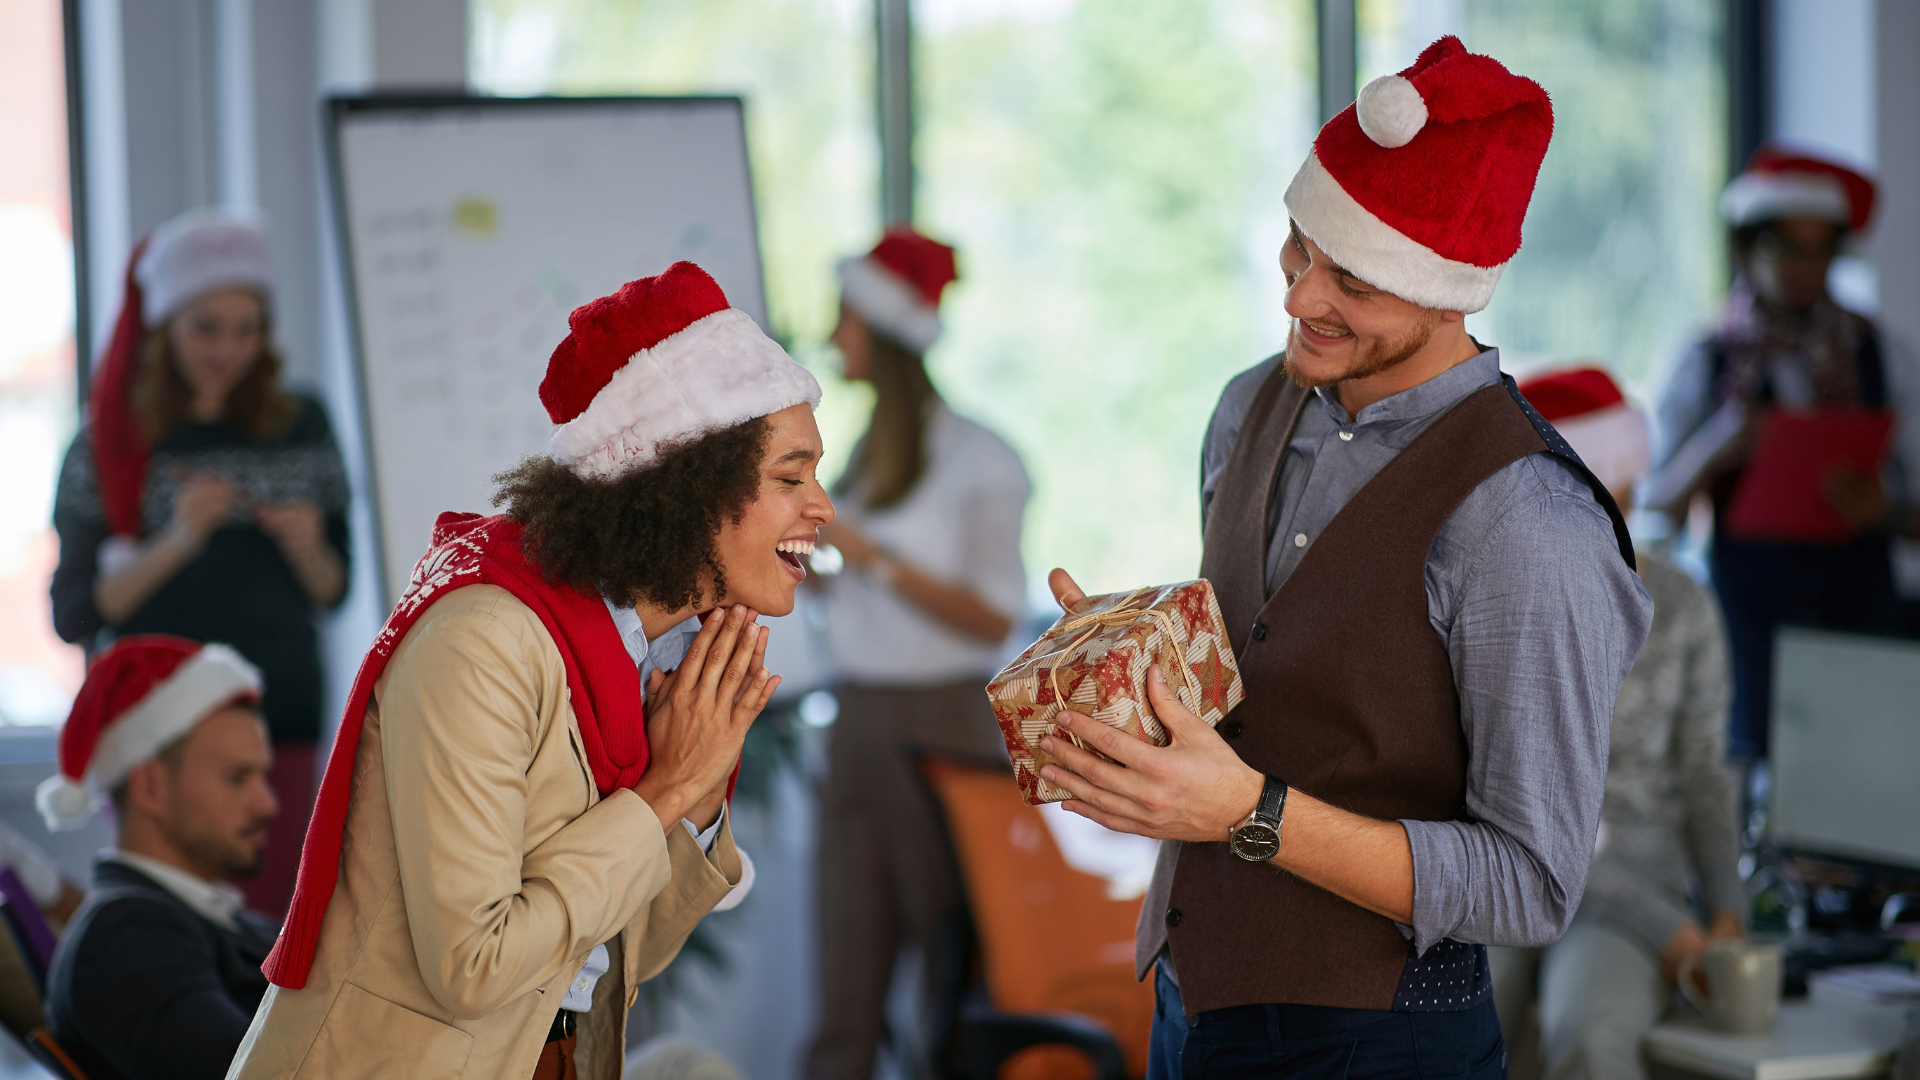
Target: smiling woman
555, 728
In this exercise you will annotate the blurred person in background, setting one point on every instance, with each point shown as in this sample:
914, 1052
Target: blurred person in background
1668, 820
203, 500
931, 508
1783, 341
158, 973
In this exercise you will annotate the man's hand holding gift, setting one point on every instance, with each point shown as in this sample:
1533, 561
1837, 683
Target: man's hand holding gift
1196, 789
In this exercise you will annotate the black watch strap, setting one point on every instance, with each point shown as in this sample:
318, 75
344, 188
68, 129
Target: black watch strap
1273, 800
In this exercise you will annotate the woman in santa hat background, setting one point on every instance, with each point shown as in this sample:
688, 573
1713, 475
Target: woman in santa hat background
932, 505
1783, 341
203, 500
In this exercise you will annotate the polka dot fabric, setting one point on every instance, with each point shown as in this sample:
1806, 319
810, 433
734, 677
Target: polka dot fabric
1452, 976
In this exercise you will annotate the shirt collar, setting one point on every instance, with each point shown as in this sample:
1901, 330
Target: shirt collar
1441, 392
663, 653
215, 901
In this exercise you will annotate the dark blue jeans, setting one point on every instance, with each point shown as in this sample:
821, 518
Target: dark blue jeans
1322, 1043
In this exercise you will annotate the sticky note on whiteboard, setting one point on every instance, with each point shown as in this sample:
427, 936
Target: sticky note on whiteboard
476, 218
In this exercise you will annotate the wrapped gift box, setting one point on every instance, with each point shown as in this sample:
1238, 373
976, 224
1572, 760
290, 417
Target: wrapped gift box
1095, 659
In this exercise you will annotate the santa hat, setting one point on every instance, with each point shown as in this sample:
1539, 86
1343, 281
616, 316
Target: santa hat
1590, 412
1780, 183
896, 287
199, 252
182, 259
140, 695
661, 361
1420, 186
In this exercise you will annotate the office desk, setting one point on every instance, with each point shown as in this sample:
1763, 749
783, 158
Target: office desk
1825, 1036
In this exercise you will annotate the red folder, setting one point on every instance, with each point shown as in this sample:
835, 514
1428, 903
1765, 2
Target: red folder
1781, 495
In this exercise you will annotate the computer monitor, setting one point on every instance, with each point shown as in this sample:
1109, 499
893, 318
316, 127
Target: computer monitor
1846, 746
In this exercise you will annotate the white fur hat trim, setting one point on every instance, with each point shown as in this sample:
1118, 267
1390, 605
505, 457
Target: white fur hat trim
198, 252
888, 304
717, 372
1756, 197
1614, 443
207, 680
1379, 254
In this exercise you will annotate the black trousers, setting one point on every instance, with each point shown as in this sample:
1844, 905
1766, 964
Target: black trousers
1322, 1043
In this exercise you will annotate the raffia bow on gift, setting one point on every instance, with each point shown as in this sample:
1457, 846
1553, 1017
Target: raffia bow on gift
1127, 612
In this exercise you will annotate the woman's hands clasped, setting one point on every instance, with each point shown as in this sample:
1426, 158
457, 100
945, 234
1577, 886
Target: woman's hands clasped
697, 717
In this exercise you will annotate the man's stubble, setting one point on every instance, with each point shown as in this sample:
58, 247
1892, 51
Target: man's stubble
1381, 356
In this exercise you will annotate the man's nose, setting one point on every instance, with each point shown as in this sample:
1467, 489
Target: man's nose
1307, 297
264, 800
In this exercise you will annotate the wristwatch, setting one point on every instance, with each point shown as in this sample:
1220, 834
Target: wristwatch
1257, 839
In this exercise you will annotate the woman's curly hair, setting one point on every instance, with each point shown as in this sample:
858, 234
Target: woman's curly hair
650, 535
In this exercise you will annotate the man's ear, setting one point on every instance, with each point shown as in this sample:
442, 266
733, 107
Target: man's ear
1452, 316
149, 788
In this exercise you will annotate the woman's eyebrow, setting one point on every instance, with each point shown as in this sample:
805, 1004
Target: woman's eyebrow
796, 455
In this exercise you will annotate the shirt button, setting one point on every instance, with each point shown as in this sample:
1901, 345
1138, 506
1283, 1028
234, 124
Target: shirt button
1346, 436
1259, 631
1299, 539
1173, 916
1231, 729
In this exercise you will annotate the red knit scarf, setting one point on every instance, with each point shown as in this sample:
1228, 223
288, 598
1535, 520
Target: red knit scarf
468, 549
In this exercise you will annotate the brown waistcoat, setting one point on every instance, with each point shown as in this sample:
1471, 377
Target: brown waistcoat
1350, 697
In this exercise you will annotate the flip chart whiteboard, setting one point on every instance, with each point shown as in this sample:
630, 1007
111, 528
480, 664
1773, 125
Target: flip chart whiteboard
471, 227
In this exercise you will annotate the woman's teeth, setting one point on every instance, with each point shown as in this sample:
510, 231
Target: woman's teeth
795, 547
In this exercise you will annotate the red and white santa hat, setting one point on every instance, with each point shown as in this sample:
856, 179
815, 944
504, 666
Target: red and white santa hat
1586, 406
1780, 182
661, 361
1420, 186
140, 695
896, 287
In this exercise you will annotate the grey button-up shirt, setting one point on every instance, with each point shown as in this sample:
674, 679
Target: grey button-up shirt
1541, 620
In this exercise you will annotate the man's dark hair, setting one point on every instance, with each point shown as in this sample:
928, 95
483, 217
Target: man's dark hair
170, 755
648, 535
1744, 237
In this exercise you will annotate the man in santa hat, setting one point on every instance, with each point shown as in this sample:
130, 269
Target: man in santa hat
1433, 602
1784, 342
158, 972
509, 838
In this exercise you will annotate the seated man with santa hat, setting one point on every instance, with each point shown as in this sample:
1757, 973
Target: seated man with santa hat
159, 970
511, 836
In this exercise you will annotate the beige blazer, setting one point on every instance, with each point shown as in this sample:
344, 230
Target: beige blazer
480, 867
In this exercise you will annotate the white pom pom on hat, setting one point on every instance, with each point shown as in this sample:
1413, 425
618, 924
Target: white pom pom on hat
1391, 111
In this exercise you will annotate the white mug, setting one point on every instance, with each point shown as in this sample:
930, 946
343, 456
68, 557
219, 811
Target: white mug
1743, 985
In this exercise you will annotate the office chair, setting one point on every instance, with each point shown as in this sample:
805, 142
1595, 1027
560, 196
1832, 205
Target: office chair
1055, 952
48, 1052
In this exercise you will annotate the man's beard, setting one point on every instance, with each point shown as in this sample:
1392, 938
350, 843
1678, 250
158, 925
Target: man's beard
1372, 359
235, 856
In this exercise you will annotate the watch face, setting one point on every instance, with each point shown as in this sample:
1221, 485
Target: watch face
1255, 842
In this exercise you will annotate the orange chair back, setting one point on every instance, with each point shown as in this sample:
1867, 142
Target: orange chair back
1050, 938
55, 1054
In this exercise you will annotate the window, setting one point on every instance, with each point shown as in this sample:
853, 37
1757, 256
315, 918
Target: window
805, 69
1624, 258
1112, 174
39, 673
